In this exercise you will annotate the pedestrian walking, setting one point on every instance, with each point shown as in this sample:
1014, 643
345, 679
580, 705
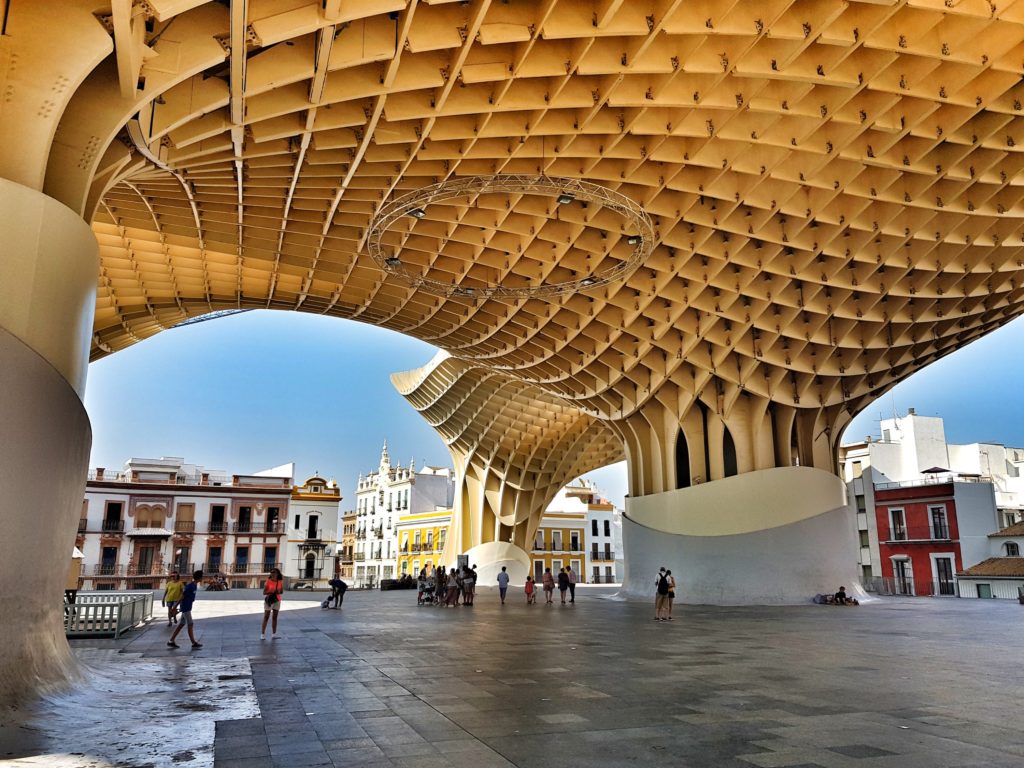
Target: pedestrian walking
188, 597
530, 590
441, 587
549, 586
671, 592
468, 587
661, 596
503, 583
563, 583
172, 596
572, 583
453, 588
273, 588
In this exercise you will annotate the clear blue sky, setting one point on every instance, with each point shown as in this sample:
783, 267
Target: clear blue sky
263, 388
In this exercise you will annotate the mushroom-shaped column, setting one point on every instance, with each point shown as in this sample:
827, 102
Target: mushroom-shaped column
514, 446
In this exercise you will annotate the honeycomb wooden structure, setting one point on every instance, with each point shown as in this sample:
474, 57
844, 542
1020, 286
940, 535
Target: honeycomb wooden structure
834, 185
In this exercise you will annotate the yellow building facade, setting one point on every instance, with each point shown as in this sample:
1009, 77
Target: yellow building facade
421, 540
560, 542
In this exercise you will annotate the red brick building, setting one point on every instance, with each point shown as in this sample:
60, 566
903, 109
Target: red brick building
918, 537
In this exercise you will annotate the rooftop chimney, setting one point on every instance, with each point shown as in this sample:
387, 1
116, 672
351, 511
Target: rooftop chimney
911, 412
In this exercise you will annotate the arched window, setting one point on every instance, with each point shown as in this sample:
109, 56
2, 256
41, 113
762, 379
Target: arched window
1012, 549
729, 466
682, 465
310, 569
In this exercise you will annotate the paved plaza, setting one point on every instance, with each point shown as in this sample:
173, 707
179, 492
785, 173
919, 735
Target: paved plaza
925, 682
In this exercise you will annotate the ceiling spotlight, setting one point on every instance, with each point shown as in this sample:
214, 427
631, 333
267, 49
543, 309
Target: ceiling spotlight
565, 198
633, 240
393, 261
586, 282
416, 213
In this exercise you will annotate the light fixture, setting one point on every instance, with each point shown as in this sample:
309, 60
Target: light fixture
563, 189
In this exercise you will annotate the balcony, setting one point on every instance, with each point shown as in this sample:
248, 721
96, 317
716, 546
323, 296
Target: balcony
599, 555
217, 527
83, 525
147, 570
104, 569
378, 532
259, 528
184, 526
112, 526
918, 533
359, 556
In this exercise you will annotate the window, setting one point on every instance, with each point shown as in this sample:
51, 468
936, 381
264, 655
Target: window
269, 558
858, 469
574, 542
609, 576
597, 570
556, 542
944, 575
593, 527
298, 521
1012, 549
903, 576
898, 526
607, 528
861, 503
538, 541
864, 542
441, 537
217, 518
241, 559
937, 516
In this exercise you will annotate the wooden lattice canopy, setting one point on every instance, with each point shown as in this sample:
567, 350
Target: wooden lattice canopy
835, 186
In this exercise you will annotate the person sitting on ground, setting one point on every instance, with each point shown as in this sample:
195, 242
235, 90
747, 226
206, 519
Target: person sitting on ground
840, 598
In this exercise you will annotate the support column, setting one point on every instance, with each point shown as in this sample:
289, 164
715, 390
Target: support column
48, 270
772, 536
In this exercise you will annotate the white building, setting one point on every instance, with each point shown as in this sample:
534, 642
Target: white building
582, 529
1002, 573
913, 450
156, 515
381, 497
313, 544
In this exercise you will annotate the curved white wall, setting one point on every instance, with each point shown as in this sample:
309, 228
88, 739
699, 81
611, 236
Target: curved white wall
492, 556
48, 268
772, 536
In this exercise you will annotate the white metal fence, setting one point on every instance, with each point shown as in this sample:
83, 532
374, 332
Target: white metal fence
106, 613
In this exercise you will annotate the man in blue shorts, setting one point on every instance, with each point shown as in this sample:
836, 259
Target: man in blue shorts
185, 611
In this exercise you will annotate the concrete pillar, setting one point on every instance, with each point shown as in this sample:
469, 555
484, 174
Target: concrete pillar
48, 272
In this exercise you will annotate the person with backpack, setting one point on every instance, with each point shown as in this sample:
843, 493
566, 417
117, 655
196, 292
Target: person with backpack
661, 597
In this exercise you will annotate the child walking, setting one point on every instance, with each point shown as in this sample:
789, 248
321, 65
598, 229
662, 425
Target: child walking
531, 594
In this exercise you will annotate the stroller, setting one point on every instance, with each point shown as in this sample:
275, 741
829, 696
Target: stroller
426, 592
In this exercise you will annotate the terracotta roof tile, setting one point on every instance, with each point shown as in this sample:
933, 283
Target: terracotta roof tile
1017, 529
997, 566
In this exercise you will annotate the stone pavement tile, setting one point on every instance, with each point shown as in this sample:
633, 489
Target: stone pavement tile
422, 761
860, 751
244, 762
257, 748
406, 749
302, 760
356, 756
240, 727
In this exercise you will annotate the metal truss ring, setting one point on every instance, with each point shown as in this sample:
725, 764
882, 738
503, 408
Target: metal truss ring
640, 229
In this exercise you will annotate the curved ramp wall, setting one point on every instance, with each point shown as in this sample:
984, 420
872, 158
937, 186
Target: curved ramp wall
775, 536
